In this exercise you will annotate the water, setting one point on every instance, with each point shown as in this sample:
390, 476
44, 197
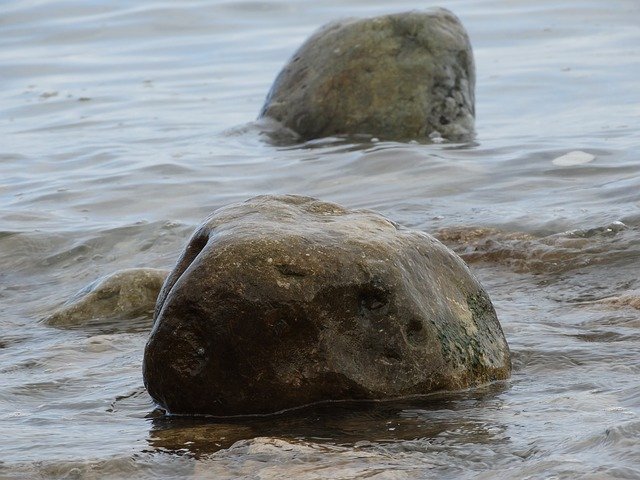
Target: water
125, 123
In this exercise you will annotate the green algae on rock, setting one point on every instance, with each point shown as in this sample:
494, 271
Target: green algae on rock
283, 301
402, 76
123, 294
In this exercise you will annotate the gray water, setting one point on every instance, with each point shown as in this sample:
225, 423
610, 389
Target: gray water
124, 124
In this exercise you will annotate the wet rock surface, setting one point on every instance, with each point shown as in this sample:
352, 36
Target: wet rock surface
400, 76
123, 294
283, 301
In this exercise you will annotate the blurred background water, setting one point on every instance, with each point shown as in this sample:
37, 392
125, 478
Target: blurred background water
124, 124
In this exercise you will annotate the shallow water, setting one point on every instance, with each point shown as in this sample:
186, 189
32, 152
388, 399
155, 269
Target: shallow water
125, 124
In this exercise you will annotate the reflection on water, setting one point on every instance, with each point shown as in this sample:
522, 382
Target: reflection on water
126, 124
348, 424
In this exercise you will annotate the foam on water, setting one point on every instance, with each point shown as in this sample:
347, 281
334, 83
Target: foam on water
125, 125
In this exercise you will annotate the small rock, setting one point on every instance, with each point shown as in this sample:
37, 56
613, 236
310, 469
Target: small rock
124, 294
628, 300
576, 157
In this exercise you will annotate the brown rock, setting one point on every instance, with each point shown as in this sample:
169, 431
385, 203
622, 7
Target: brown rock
402, 76
283, 301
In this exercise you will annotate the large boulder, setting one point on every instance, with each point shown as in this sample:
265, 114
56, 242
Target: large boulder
282, 301
402, 76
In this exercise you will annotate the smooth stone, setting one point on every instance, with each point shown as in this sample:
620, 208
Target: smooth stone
576, 157
402, 76
126, 293
283, 301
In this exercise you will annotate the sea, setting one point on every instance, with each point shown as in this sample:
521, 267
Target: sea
124, 124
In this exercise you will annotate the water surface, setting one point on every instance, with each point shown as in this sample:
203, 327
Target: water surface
125, 124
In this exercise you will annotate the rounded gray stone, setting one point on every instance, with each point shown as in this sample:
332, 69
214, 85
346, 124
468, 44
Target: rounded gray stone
283, 301
402, 76
123, 294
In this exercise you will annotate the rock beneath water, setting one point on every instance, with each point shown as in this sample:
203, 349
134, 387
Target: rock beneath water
627, 300
557, 253
402, 76
199, 439
124, 294
283, 301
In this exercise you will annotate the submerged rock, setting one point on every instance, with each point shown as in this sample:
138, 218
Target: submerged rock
401, 76
124, 294
557, 253
283, 301
199, 439
627, 300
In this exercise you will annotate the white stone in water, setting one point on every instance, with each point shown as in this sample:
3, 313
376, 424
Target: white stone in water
576, 157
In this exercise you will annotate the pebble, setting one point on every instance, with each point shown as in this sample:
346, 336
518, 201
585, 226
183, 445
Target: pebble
576, 157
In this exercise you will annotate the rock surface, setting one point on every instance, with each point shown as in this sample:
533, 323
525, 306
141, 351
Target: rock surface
124, 294
282, 301
401, 76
